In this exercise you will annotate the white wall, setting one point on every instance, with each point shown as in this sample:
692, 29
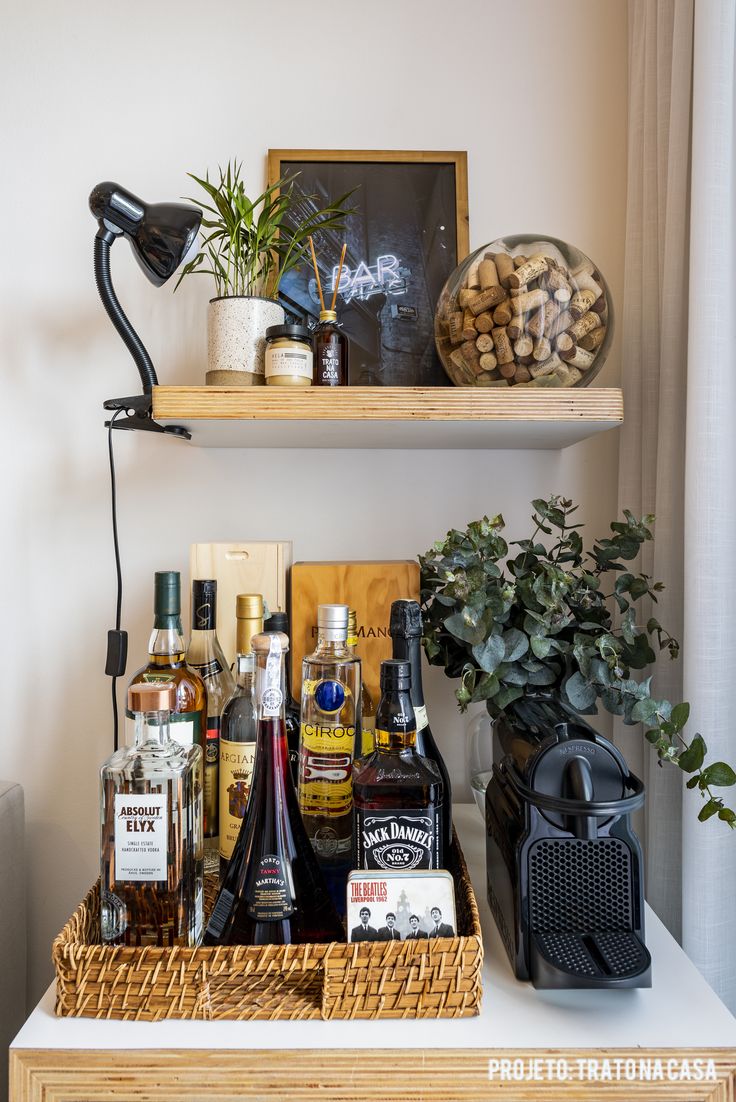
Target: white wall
140, 94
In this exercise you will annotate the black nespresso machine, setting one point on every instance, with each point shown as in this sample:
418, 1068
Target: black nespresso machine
565, 878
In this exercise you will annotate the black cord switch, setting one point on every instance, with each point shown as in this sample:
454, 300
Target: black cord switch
117, 653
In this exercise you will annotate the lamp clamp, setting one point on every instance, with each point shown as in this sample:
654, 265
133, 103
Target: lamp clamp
138, 415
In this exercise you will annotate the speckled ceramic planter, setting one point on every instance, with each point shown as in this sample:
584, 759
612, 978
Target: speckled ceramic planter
236, 339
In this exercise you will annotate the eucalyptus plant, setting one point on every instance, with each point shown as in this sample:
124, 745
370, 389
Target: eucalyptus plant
542, 615
249, 245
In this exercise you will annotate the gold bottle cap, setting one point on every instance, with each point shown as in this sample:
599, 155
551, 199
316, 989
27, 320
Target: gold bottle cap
152, 697
261, 643
328, 315
249, 606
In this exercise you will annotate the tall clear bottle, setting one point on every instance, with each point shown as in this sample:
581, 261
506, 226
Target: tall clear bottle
205, 656
330, 729
279, 621
167, 666
406, 634
151, 827
273, 892
238, 729
367, 705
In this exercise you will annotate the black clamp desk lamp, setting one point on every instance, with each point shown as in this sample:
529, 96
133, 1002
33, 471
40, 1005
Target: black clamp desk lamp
161, 235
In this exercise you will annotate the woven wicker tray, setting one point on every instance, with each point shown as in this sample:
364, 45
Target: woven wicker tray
437, 978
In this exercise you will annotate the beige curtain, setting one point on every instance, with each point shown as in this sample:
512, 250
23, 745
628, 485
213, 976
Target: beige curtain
677, 450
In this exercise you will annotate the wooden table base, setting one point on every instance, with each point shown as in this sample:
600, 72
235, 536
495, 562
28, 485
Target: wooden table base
344, 1075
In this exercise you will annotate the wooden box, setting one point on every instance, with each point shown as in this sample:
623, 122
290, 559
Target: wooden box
369, 588
252, 566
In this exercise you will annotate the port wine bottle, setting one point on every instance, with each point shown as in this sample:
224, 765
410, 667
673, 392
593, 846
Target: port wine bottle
273, 892
406, 632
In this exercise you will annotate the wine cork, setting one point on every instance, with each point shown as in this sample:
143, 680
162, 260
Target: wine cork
593, 340
461, 368
568, 375
504, 268
586, 279
471, 355
542, 349
464, 297
484, 342
523, 346
492, 296
522, 375
555, 280
488, 361
581, 302
563, 295
564, 343
502, 344
484, 322
472, 279
552, 311
562, 322
517, 326
502, 314
516, 292
584, 325
579, 358
469, 332
532, 269
456, 326
487, 274
532, 300
519, 261
507, 370
600, 305
491, 380
543, 320
546, 367
526, 361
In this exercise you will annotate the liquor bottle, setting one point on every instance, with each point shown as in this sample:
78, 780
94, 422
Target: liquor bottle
397, 793
330, 729
330, 345
367, 705
238, 729
273, 892
151, 821
279, 621
205, 656
406, 633
167, 666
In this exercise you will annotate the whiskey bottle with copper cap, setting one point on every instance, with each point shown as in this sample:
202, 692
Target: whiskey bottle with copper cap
151, 823
238, 728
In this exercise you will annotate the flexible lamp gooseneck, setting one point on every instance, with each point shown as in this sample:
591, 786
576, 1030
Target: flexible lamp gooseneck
161, 236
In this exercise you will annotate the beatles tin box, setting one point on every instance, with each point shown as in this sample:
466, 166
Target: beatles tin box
400, 906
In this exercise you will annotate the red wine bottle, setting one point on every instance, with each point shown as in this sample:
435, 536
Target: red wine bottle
273, 892
406, 632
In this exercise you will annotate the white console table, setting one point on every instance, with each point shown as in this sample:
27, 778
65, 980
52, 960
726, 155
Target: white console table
583, 1043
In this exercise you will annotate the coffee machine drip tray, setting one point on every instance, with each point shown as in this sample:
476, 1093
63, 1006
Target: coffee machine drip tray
609, 958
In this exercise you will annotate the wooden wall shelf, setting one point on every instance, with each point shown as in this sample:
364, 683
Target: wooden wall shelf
387, 417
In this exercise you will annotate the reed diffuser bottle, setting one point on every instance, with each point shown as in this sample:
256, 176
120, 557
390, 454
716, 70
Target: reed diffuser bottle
329, 343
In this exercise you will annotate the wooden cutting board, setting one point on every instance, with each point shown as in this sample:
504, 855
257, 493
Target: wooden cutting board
369, 588
253, 566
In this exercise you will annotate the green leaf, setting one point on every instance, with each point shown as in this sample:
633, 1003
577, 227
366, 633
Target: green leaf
692, 782
490, 653
541, 646
680, 716
709, 809
719, 774
506, 695
580, 692
516, 644
486, 687
692, 758
644, 710
727, 815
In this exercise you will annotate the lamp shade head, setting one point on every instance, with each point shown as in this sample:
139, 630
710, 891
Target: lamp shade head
160, 234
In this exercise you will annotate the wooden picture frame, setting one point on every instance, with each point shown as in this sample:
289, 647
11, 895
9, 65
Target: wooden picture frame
408, 233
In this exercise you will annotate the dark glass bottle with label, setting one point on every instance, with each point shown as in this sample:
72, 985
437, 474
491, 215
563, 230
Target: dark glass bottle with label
397, 793
204, 655
273, 892
279, 621
406, 633
330, 346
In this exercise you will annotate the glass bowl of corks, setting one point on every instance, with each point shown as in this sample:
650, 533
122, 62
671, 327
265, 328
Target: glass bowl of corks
526, 310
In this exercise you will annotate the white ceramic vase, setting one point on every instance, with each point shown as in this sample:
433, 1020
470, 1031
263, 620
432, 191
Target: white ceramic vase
236, 339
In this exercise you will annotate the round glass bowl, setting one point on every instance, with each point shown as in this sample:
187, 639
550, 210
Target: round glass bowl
524, 311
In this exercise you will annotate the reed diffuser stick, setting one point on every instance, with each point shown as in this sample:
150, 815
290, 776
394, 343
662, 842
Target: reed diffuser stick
316, 272
339, 273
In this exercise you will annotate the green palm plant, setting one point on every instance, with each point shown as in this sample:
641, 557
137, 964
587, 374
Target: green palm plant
251, 244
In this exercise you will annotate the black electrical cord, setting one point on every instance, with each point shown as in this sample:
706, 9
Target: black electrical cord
117, 640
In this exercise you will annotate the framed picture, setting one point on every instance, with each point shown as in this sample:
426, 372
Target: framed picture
409, 231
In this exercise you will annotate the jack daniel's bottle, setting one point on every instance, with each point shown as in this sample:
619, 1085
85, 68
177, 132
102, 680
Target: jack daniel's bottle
397, 793
273, 892
406, 633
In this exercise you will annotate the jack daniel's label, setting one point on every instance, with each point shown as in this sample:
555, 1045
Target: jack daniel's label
396, 839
